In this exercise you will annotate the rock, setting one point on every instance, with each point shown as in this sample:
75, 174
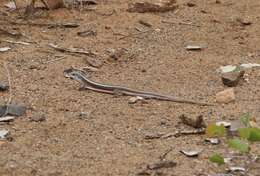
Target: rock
226, 96
116, 54
3, 134
38, 117
227, 68
228, 160
54, 4
249, 65
194, 47
244, 22
7, 118
232, 79
33, 88
232, 68
3, 87
94, 62
4, 49
152, 6
84, 115
236, 169
191, 4
213, 141
134, 100
196, 122
13, 110
224, 123
191, 153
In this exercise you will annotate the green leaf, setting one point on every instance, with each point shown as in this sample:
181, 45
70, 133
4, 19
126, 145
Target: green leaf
214, 130
254, 136
238, 145
244, 132
245, 119
251, 134
217, 158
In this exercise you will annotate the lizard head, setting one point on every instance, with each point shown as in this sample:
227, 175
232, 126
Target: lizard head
75, 74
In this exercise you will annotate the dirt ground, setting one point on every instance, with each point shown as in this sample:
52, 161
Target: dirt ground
89, 133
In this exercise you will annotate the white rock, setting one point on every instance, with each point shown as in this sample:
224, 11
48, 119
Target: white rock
134, 100
3, 134
227, 68
224, 123
3, 49
249, 65
191, 153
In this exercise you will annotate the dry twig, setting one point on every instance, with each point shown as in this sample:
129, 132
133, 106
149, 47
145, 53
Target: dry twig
71, 50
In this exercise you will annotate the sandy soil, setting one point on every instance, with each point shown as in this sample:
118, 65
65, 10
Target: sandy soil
89, 133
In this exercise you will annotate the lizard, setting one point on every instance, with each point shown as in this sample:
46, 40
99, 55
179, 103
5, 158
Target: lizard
86, 83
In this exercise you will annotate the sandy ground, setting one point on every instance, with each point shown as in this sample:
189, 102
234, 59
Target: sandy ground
89, 133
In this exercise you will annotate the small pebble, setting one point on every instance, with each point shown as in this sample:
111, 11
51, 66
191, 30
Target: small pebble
134, 100
194, 47
84, 115
191, 4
